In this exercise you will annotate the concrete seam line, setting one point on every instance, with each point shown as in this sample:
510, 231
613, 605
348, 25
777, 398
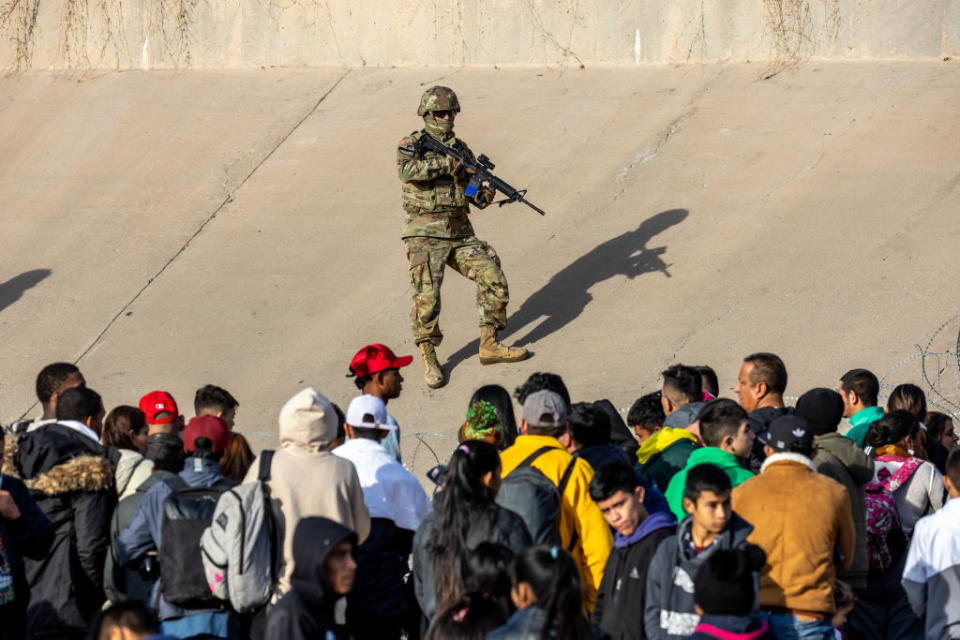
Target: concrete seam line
227, 200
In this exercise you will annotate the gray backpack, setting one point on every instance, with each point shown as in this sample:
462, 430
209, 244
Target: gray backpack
239, 548
533, 497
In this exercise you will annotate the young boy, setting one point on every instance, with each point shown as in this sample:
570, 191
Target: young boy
728, 442
637, 535
711, 524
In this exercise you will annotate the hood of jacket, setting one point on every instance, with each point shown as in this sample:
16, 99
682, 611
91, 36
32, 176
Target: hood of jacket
658, 520
660, 440
733, 537
713, 455
55, 460
313, 540
684, 416
846, 451
307, 421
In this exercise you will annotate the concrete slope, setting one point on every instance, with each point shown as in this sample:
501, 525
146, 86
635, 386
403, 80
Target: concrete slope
695, 214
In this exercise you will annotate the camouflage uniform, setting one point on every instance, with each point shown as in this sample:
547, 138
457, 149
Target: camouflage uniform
438, 233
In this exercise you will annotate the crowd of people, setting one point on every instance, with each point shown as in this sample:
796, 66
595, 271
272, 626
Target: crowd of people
696, 517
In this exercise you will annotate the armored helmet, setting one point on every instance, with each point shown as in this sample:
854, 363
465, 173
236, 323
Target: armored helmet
438, 99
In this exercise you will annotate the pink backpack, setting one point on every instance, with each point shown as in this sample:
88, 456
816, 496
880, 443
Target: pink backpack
882, 517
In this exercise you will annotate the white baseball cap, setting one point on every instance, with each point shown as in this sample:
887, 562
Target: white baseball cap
368, 412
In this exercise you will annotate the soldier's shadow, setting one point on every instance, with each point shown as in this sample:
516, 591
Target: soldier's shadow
565, 296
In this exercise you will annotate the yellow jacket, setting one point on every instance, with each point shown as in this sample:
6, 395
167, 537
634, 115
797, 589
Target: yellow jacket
578, 512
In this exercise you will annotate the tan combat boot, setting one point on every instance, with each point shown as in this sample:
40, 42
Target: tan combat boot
492, 351
432, 373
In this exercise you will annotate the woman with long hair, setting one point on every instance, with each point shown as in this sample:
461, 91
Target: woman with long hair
915, 483
501, 401
464, 515
125, 429
546, 592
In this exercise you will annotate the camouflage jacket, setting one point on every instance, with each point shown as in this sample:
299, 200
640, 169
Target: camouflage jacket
435, 203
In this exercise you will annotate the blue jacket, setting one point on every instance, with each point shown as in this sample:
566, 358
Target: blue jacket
143, 535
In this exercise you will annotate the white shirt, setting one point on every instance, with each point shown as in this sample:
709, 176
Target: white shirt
81, 428
389, 490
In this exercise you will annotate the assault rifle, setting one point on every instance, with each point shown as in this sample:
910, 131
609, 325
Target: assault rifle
482, 173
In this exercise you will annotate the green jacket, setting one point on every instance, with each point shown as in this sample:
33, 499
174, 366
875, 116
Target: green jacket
861, 421
726, 461
435, 203
666, 463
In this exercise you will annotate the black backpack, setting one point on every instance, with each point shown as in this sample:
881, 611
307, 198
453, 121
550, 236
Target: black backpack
186, 513
533, 497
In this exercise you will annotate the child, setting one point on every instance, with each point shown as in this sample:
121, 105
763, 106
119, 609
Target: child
546, 592
725, 592
710, 526
469, 618
486, 572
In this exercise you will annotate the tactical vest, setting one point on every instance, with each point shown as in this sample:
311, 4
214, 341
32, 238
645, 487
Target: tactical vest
441, 194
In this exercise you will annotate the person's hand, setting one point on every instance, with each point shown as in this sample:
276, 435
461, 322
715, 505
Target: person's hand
8, 508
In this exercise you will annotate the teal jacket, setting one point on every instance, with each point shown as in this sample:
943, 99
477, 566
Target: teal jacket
726, 461
861, 421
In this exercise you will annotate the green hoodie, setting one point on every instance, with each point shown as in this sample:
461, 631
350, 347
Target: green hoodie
726, 461
860, 422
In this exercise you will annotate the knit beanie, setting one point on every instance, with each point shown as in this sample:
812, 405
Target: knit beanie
822, 409
724, 584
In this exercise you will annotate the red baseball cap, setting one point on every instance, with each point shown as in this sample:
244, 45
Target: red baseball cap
375, 358
157, 402
210, 427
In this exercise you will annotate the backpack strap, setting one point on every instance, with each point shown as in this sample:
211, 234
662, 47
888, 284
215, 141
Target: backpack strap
903, 474
564, 479
533, 456
266, 459
120, 490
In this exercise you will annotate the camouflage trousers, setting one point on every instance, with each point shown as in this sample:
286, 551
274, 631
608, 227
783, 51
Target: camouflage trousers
469, 257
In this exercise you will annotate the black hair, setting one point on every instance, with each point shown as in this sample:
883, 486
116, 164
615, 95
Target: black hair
863, 384
78, 403
128, 614
647, 411
486, 571
612, 477
708, 379
908, 397
936, 422
718, 419
892, 428
705, 477
203, 448
366, 433
362, 381
471, 617
539, 381
725, 583
589, 425
341, 422
952, 468
500, 399
769, 369
683, 380
51, 378
460, 503
210, 396
555, 581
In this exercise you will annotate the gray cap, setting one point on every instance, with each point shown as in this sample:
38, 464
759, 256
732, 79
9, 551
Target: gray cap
545, 409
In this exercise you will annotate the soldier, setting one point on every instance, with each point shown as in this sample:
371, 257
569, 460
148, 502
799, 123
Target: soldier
438, 232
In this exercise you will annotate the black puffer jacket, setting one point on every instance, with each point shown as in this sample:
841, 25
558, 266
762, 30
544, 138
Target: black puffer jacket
759, 420
306, 612
72, 482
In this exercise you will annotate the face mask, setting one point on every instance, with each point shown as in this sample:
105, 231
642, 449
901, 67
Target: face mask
440, 129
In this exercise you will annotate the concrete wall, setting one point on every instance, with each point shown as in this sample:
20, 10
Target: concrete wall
152, 34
